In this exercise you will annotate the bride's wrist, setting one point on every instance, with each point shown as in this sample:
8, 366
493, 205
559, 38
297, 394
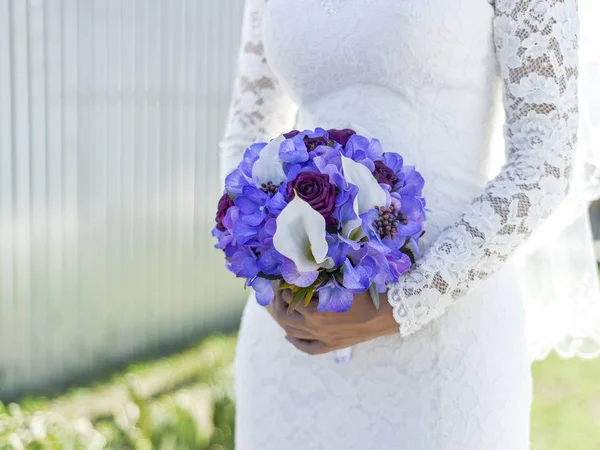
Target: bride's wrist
383, 323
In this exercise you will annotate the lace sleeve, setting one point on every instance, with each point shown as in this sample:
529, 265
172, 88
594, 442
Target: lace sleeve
536, 44
260, 109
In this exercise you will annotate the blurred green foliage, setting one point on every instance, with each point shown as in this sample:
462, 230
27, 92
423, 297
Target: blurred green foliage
184, 402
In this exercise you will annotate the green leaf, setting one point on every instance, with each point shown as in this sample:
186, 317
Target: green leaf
409, 252
285, 286
269, 277
309, 296
297, 298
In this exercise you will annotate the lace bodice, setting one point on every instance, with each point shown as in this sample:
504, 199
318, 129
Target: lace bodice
536, 56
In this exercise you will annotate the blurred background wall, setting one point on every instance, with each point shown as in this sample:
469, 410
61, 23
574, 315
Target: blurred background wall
110, 116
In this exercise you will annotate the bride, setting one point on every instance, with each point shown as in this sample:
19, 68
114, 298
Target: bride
445, 362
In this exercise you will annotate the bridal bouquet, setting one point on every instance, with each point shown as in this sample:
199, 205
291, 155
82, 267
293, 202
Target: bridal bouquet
326, 211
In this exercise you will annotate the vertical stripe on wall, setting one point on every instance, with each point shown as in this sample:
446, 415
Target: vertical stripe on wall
110, 116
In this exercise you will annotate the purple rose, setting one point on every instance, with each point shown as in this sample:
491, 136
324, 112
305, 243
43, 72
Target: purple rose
341, 136
313, 142
224, 204
384, 174
316, 190
291, 134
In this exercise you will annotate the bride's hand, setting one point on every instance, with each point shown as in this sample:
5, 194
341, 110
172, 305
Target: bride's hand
314, 332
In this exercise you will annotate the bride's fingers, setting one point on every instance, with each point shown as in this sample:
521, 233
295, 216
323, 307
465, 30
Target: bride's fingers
297, 333
305, 311
310, 309
294, 318
287, 295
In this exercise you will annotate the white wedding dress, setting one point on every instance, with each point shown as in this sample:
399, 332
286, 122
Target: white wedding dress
425, 77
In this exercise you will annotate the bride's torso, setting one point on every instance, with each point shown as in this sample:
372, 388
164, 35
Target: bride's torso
420, 75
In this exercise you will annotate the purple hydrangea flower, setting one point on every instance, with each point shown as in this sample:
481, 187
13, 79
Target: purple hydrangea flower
263, 289
246, 235
412, 182
293, 150
337, 250
334, 298
356, 278
270, 261
250, 157
252, 205
398, 264
236, 181
244, 263
290, 274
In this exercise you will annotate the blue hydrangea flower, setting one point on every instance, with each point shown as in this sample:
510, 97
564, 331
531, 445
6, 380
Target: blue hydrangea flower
244, 263
252, 205
363, 151
338, 249
412, 182
293, 150
250, 157
263, 289
334, 298
356, 278
270, 261
291, 275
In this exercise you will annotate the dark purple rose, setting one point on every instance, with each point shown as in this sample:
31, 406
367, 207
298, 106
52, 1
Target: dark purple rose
384, 174
313, 142
291, 134
341, 136
224, 204
316, 190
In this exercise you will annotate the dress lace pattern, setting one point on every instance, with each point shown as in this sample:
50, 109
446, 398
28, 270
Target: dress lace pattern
420, 75
260, 108
536, 43
536, 46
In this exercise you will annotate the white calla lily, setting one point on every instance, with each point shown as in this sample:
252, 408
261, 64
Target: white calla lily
300, 236
370, 194
352, 229
269, 166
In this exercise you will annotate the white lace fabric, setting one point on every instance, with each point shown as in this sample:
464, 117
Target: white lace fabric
261, 108
536, 44
419, 75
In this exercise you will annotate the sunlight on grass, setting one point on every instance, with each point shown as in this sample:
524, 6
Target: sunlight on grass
566, 406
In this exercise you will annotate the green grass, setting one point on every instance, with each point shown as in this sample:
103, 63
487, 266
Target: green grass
566, 406
181, 402
184, 402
